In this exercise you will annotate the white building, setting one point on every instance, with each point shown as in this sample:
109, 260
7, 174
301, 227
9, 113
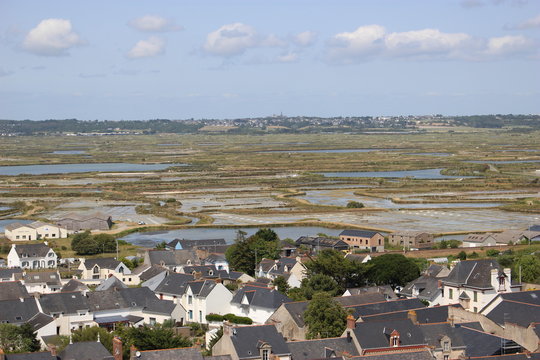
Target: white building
34, 231
94, 269
205, 297
32, 256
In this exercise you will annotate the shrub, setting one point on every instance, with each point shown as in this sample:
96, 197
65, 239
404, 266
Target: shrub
214, 317
492, 252
355, 205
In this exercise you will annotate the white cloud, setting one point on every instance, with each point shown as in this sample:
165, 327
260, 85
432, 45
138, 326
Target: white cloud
530, 23
287, 58
305, 38
369, 41
234, 39
52, 37
147, 48
427, 41
153, 23
231, 39
508, 45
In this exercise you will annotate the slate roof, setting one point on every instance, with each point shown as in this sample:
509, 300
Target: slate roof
190, 353
190, 244
386, 290
65, 303
376, 334
214, 258
174, 284
205, 270
386, 307
433, 334
141, 297
42, 355
111, 282
32, 250
322, 242
260, 296
149, 271
528, 297
519, 313
48, 277
202, 288
32, 225
356, 257
247, 340
359, 233
40, 320
17, 311
10, 290
402, 355
103, 263
15, 273
85, 350
434, 270
428, 315
473, 273
427, 287
321, 348
171, 257
478, 342
74, 285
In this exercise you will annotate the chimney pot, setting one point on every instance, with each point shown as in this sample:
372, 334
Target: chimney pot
117, 348
351, 322
413, 316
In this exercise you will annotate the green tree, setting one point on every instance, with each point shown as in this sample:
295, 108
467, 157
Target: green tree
105, 242
346, 273
161, 246
315, 284
84, 244
355, 205
15, 338
282, 284
152, 338
462, 255
244, 254
324, 317
91, 334
530, 268
392, 269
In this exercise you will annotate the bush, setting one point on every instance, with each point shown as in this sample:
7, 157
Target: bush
492, 252
214, 317
355, 205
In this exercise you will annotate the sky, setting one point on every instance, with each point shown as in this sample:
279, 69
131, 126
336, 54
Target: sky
177, 59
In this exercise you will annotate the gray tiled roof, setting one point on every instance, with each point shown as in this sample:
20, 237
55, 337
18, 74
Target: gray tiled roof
40, 320
32, 250
103, 263
479, 343
473, 273
248, 339
17, 311
190, 244
171, 257
190, 353
402, 355
428, 315
49, 277
129, 298
74, 285
205, 270
11, 290
174, 284
65, 303
376, 334
433, 334
42, 355
320, 348
260, 296
322, 242
515, 312
111, 282
202, 288
149, 272
10, 273
387, 307
86, 350
359, 233
428, 287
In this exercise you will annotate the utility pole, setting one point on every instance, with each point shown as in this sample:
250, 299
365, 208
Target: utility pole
255, 272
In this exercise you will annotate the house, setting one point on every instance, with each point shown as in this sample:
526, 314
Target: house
172, 287
79, 222
42, 282
13, 274
190, 353
111, 283
75, 285
427, 286
289, 268
32, 256
257, 302
499, 239
12, 290
317, 243
173, 260
363, 239
203, 297
411, 239
289, 317
474, 283
322, 348
201, 271
134, 306
71, 311
218, 260
36, 230
360, 258
479, 240
262, 342
18, 311
44, 326
103, 268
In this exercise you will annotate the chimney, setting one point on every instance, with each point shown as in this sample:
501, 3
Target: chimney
451, 320
52, 349
2, 355
413, 317
351, 322
227, 328
133, 353
197, 275
117, 348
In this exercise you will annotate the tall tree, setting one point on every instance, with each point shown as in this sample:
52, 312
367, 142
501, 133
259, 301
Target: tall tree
324, 317
530, 268
392, 269
244, 254
346, 273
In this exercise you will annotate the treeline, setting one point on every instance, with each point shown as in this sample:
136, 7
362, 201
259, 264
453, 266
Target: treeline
498, 121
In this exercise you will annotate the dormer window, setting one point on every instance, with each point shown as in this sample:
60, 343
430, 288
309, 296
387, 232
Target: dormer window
265, 355
394, 339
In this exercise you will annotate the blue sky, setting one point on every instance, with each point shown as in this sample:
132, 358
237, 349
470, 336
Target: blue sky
179, 59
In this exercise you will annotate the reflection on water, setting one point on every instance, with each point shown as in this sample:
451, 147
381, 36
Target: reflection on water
417, 174
80, 168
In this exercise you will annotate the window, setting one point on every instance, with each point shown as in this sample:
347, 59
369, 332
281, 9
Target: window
265, 354
450, 293
475, 296
475, 309
446, 346
200, 316
190, 314
395, 341
446, 357
152, 321
190, 299
17, 237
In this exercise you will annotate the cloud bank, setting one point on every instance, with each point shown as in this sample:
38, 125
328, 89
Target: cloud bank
51, 37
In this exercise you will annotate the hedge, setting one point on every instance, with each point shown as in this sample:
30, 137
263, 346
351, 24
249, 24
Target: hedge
230, 317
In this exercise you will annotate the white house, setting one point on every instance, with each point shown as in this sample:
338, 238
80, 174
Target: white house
474, 283
218, 261
34, 231
256, 302
289, 268
205, 297
32, 256
93, 269
70, 311
42, 282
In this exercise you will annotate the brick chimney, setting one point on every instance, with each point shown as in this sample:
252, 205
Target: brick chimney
132, 352
227, 328
413, 317
52, 349
351, 322
117, 348
2, 355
